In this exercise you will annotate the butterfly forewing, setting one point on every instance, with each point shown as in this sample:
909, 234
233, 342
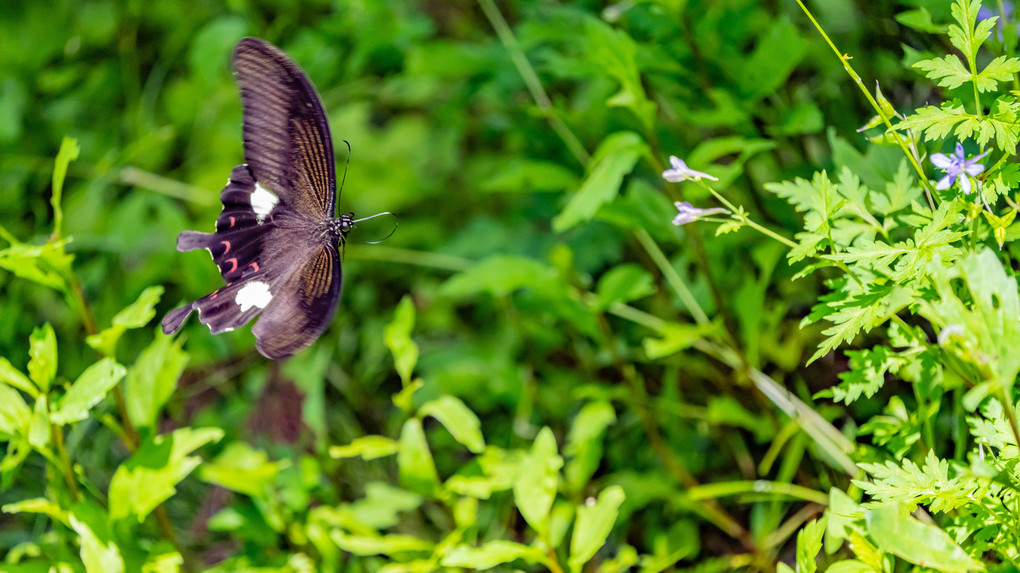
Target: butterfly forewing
286, 136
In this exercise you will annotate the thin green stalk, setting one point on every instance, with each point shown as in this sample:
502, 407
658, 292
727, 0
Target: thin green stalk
845, 60
67, 469
1010, 410
671, 276
531, 80
759, 488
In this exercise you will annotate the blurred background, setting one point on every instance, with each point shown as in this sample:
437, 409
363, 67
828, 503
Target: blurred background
477, 162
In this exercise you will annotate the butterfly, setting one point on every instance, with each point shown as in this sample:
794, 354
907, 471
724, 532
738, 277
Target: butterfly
276, 241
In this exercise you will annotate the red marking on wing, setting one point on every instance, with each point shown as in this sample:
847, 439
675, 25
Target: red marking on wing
231, 221
213, 295
227, 243
233, 268
255, 267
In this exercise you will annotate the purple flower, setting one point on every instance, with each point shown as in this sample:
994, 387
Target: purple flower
680, 172
689, 213
955, 165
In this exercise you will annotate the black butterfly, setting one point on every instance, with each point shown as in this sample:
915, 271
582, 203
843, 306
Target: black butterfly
276, 241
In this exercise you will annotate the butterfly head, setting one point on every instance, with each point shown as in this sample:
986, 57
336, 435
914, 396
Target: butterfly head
336, 229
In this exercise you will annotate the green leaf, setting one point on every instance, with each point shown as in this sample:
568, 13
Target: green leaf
149, 476
87, 391
136, 315
382, 505
99, 551
366, 447
45, 265
537, 481
809, 543
949, 71
11, 375
613, 52
379, 544
39, 430
152, 379
624, 283
929, 484
529, 176
15, 415
68, 152
456, 417
892, 528
584, 442
39, 505
593, 525
614, 159
398, 339
243, 469
778, 51
491, 554
673, 338
42, 351
414, 460
499, 275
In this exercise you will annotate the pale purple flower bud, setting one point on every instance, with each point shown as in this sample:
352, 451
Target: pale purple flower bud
680, 172
689, 213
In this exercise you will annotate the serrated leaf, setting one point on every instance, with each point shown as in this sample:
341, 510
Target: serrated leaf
150, 476
458, 419
414, 460
614, 159
896, 532
397, 336
949, 72
929, 484
592, 527
366, 447
42, 351
152, 379
491, 554
537, 481
87, 391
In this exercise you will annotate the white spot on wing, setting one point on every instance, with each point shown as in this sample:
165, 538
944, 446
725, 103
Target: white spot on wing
255, 293
263, 201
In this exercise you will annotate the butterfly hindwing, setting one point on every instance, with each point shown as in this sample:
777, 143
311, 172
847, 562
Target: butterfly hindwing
303, 307
287, 142
229, 307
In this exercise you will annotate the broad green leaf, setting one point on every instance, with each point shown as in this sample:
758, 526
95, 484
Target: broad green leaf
672, 338
499, 275
614, 52
624, 283
152, 379
15, 415
87, 391
39, 430
584, 443
491, 554
613, 160
366, 447
594, 523
136, 315
778, 51
11, 375
69, 150
458, 419
895, 531
414, 460
379, 544
99, 551
149, 476
169, 561
42, 351
242, 469
537, 481
42, 265
398, 339
382, 505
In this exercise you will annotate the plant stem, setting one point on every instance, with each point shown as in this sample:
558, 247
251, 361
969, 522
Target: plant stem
67, 469
671, 276
845, 60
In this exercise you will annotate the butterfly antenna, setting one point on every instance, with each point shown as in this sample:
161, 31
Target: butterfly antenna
346, 165
396, 221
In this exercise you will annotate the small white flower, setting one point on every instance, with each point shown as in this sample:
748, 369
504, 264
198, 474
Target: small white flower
689, 213
680, 172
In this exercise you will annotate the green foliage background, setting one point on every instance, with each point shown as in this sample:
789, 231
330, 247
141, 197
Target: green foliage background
529, 206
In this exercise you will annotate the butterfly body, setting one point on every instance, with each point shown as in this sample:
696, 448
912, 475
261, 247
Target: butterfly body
276, 241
